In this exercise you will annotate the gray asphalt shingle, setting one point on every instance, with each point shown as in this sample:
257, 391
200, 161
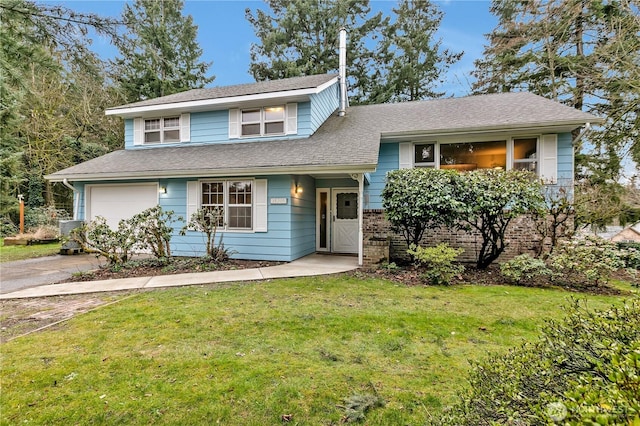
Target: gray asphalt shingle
349, 141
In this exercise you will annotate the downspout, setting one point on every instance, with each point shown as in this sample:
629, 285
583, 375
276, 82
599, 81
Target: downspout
587, 129
343, 72
76, 197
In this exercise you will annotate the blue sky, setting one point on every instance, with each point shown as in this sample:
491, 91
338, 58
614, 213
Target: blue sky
225, 35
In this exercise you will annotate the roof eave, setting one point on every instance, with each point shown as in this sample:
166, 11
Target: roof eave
298, 94
551, 127
254, 171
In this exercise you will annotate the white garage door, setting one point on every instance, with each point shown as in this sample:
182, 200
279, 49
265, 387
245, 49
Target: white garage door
115, 202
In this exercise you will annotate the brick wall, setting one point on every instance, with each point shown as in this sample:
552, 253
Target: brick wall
381, 244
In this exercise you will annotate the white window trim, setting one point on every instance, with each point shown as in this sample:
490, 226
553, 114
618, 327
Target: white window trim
264, 121
162, 129
226, 206
407, 158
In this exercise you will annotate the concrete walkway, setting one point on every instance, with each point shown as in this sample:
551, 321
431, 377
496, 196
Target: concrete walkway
315, 264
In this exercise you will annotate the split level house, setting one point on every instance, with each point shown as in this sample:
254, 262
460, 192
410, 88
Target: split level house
295, 170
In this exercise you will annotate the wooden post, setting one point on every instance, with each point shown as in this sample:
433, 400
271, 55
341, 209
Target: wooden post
21, 198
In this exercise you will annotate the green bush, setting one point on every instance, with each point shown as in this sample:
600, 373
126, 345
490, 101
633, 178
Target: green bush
589, 261
153, 231
97, 237
524, 269
437, 263
585, 369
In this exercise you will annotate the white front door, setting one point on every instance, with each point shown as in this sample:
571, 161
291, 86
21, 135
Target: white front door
344, 220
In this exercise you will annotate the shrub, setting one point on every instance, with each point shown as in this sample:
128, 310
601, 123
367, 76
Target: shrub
437, 262
152, 231
207, 221
493, 198
37, 217
589, 260
97, 237
523, 269
630, 254
585, 367
419, 199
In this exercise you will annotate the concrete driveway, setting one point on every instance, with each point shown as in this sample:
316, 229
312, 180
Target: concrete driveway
43, 270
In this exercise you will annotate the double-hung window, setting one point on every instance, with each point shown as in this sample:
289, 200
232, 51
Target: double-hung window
231, 201
263, 121
162, 130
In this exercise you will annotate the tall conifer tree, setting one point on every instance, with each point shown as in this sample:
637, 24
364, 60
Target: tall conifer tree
159, 55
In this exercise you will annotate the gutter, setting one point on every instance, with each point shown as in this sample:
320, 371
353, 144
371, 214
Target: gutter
587, 129
76, 197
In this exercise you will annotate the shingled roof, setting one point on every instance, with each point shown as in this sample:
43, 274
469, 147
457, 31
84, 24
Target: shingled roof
272, 86
349, 143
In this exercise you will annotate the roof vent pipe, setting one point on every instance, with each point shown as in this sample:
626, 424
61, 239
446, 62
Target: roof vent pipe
343, 72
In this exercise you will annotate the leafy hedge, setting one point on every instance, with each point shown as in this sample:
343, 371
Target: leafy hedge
585, 369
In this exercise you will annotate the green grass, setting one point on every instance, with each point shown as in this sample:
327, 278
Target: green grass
246, 354
10, 253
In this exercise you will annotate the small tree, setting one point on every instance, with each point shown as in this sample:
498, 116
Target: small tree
419, 199
554, 220
207, 221
97, 237
493, 198
152, 231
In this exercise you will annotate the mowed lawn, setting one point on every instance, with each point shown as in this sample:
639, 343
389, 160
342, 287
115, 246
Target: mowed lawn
247, 354
20, 252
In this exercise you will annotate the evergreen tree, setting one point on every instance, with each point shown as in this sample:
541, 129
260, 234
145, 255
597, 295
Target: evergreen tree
41, 49
159, 55
415, 63
300, 37
585, 54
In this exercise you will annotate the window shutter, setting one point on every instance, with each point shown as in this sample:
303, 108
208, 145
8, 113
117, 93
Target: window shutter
192, 198
138, 131
549, 159
234, 123
405, 154
185, 127
260, 206
292, 119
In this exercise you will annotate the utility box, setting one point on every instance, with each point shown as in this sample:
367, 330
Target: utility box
68, 246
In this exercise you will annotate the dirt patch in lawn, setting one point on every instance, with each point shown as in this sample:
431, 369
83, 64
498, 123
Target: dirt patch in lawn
22, 316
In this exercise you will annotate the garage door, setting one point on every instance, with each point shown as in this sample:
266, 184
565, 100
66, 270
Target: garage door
115, 202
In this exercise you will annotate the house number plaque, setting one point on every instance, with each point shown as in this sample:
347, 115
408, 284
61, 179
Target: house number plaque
279, 200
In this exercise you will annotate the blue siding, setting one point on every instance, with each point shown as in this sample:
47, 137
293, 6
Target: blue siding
565, 160
388, 159
303, 218
128, 133
323, 105
304, 119
291, 227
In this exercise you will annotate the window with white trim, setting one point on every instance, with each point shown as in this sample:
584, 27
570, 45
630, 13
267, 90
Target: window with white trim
232, 200
262, 121
525, 154
162, 130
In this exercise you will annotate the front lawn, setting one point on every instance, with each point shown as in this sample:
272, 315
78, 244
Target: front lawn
19, 252
249, 354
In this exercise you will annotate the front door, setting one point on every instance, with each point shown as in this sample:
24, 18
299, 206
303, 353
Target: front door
344, 221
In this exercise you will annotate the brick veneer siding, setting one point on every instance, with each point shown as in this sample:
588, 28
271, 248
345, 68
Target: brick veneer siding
381, 244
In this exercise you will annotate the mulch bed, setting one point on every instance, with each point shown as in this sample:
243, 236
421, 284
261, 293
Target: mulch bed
410, 276
151, 267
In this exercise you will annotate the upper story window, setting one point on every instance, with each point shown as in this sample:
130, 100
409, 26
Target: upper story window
162, 130
263, 121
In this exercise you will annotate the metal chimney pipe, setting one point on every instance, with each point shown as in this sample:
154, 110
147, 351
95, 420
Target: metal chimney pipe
343, 72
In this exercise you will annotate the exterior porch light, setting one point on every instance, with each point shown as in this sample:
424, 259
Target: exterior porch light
162, 190
298, 189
